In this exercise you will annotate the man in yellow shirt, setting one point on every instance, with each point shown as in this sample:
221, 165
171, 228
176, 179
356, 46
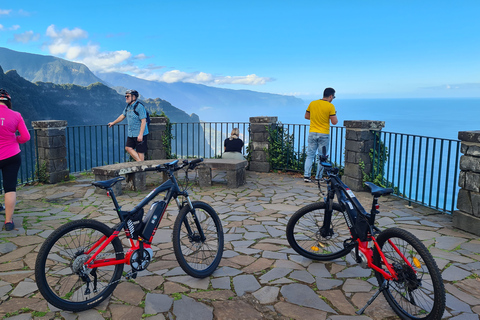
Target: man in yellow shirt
320, 113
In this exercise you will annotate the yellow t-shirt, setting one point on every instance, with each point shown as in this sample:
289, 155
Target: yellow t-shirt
320, 112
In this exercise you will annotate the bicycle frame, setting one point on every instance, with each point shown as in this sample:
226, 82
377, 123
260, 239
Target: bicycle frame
173, 192
352, 211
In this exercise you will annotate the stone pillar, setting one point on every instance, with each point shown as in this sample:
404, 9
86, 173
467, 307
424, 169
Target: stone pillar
468, 202
259, 142
359, 140
156, 129
52, 150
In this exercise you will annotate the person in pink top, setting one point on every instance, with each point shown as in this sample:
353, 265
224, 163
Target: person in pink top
10, 159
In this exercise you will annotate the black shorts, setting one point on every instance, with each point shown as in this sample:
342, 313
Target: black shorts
140, 147
9, 169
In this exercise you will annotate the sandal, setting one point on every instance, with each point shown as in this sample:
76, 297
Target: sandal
9, 226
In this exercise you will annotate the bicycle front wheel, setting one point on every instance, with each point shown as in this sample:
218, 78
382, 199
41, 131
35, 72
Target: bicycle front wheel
61, 276
309, 237
198, 239
418, 293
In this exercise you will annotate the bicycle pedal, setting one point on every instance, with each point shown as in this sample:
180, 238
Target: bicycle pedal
131, 275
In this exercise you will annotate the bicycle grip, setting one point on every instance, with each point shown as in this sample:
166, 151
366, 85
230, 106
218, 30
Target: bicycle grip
150, 169
194, 162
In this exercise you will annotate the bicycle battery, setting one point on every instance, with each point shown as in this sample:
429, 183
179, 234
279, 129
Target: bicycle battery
152, 219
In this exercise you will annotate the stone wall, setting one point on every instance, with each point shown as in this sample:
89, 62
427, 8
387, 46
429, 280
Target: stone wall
157, 129
259, 142
468, 202
52, 150
359, 139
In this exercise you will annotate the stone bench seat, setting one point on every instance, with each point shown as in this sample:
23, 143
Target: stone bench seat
136, 176
134, 172
236, 171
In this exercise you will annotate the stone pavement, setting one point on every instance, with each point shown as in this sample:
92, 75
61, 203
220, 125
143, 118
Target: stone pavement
260, 276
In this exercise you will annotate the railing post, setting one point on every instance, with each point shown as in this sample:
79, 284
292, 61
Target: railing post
259, 142
468, 203
359, 139
157, 128
52, 150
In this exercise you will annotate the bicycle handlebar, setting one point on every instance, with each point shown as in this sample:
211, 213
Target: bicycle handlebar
174, 167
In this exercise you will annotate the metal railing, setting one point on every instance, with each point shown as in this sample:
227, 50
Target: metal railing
421, 169
292, 139
92, 146
205, 139
29, 167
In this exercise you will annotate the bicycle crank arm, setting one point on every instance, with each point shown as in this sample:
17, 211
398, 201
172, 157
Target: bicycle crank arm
369, 302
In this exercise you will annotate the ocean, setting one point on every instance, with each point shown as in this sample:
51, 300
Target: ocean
440, 118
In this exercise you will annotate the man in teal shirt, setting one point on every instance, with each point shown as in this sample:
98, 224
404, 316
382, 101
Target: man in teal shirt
136, 116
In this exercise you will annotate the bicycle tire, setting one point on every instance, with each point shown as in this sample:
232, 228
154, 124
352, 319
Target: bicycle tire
196, 257
410, 296
304, 236
62, 252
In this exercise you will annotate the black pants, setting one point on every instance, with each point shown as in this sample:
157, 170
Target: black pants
10, 167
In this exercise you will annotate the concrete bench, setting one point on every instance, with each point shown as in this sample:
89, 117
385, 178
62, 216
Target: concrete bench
134, 172
236, 171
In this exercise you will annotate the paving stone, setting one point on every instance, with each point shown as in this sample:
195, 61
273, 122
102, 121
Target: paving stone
318, 270
354, 272
156, 303
221, 283
187, 308
292, 311
226, 272
7, 247
245, 283
287, 264
457, 305
266, 295
448, 243
274, 255
464, 296
235, 310
275, 273
302, 295
465, 316
326, 284
124, 312
213, 295
130, 293
192, 282
302, 275
338, 300
355, 285
454, 273
258, 265
150, 283
24, 288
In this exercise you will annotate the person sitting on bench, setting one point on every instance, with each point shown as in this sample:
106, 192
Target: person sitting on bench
233, 146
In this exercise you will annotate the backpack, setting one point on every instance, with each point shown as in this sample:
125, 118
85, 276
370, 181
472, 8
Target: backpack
136, 112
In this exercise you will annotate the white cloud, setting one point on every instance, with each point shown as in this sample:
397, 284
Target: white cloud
72, 44
5, 12
26, 37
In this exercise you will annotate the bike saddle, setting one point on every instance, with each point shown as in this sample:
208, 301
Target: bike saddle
378, 191
107, 183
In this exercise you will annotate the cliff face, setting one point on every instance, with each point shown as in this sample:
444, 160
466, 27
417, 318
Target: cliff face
92, 105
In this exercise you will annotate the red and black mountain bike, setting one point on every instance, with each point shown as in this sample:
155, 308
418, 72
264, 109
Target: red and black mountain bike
80, 263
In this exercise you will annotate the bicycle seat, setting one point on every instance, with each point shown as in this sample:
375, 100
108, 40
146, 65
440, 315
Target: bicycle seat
107, 183
378, 191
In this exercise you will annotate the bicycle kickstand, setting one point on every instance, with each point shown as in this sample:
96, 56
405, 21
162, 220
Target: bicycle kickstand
369, 302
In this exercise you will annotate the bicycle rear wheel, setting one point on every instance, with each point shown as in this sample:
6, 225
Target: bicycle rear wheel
307, 237
419, 292
198, 256
59, 269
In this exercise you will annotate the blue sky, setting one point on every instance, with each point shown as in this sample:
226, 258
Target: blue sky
364, 49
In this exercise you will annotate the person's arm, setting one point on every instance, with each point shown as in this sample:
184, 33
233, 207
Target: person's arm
142, 130
119, 119
307, 115
333, 119
22, 129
